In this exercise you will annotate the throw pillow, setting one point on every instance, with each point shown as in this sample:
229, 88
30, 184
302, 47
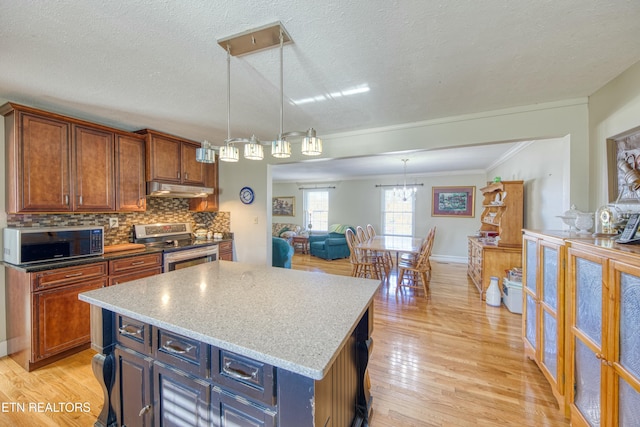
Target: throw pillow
287, 234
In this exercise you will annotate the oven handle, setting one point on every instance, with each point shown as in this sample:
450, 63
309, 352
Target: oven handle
190, 253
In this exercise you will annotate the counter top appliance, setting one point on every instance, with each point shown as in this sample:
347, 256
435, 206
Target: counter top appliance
31, 245
179, 246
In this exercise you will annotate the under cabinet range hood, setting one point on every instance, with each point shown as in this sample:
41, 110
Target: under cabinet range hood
159, 189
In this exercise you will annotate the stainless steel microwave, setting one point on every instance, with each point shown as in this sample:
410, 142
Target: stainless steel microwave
31, 245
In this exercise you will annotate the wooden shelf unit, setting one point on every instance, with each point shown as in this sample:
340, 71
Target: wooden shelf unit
502, 211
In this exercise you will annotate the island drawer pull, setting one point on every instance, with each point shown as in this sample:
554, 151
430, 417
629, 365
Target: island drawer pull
237, 373
129, 330
177, 349
144, 410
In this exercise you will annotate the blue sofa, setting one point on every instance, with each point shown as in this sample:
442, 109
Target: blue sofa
329, 246
281, 253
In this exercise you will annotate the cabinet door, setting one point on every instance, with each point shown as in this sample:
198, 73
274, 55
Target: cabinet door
624, 353
230, 411
192, 170
551, 321
133, 389
130, 184
530, 320
62, 320
210, 203
44, 167
589, 291
181, 400
94, 170
164, 159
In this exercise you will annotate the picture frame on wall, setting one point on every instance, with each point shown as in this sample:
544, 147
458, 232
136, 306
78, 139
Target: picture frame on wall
453, 201
283, 206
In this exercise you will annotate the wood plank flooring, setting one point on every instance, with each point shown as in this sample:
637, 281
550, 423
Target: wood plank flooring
446, 359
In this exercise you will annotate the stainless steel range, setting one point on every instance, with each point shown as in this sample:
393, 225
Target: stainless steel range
180, 249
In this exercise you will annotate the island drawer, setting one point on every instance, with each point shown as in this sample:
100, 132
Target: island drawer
133, 334
246, 376
182, 352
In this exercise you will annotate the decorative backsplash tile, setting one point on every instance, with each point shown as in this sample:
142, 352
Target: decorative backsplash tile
158, 210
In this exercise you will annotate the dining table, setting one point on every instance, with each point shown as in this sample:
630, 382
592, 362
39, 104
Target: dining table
392, 244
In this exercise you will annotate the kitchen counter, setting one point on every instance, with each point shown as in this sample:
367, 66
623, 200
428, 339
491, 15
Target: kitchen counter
32, 268
258, 343
291, 319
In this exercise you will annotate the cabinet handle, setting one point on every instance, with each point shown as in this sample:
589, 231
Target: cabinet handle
66, 199
186, 175
206, 203
176, 349
144, 410
137, 263
139, 202
178, 175
66, 276
80, 200
236, 373
129, 330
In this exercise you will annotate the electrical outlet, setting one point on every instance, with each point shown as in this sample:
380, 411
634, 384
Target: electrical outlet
113, 222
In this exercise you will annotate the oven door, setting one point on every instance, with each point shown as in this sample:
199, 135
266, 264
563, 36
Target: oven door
189, 257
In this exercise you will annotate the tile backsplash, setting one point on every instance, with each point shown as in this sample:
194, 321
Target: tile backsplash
158, 210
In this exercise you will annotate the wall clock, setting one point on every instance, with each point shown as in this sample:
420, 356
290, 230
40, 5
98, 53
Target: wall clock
246, 195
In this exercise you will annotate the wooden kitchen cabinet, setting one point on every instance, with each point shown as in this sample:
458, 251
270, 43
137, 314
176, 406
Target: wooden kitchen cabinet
225, 250
130, 175
59, 164
45, 319
209, 203
135, 267
38, 150
604, 345
543, 308
94, 171
172, 159
133, 382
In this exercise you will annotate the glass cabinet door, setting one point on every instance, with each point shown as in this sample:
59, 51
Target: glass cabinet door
550, 296
530, 316
587, 324
625, 353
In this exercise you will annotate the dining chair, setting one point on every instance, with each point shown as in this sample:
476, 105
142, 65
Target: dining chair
361, 265
417, 273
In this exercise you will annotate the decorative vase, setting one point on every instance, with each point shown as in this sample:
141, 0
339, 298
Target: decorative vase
584, 222
493, 297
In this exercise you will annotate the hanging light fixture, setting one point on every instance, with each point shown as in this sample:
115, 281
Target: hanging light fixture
405, 193
205, 153
280, 147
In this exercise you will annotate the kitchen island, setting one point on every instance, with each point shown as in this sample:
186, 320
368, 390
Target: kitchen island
231, 344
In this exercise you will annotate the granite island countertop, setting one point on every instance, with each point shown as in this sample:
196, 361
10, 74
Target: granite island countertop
295, 320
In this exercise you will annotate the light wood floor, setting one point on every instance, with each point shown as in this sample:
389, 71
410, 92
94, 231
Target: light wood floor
446, 359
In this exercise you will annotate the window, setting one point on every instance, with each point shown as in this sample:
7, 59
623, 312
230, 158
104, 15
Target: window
316, 209
397, 214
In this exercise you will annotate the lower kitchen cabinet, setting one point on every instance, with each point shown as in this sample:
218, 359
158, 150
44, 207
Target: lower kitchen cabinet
180, 399
133, 383
225, 250
604, 344
45, 319
134, 267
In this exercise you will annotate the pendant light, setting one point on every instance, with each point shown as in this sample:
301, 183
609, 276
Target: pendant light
228, 152
281, 147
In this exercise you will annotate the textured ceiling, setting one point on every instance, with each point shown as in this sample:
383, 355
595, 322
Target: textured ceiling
144, 63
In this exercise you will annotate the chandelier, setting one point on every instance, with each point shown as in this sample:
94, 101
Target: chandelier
244, 43
403, 192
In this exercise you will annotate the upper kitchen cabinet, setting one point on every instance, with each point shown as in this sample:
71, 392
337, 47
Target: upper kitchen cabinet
130, 179
172, 159
38, 161
210, 203
94, 170
58, 164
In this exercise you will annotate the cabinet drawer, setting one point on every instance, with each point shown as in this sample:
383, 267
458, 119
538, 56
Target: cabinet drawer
133, 334
229, 410
121, 278
243, 375
226, 246
139, 262
64, 276
182, 352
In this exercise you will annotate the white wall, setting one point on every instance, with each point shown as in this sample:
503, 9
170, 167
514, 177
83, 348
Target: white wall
544, 167
613, 110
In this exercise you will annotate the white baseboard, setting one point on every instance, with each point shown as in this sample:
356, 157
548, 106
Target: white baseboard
3, 348
450, 259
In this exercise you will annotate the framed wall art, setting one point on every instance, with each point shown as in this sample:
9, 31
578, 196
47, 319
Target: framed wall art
284, 206
453, 201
